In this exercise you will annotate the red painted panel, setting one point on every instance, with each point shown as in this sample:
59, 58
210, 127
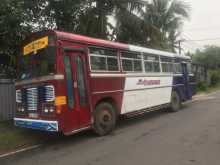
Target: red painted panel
105, 87
89, 40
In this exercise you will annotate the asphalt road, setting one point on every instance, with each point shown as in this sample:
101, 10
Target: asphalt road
191, 136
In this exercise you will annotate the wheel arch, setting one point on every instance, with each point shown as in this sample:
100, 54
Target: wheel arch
179, 92
110, 100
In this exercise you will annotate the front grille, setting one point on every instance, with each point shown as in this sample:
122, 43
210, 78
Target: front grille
32, 99
18, 96
49, 93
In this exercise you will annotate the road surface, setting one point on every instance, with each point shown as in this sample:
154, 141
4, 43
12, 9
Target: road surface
188, 137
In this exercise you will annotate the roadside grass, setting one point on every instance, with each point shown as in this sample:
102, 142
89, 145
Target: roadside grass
209, 89
13, 138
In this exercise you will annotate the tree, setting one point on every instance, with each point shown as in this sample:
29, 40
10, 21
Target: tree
209, 57
165, 18
11, 29
154, 24
129, 27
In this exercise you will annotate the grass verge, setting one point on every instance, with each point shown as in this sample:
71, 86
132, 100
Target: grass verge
14, 138
209, 89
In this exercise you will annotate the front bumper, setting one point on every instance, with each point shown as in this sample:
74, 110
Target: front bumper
43, 125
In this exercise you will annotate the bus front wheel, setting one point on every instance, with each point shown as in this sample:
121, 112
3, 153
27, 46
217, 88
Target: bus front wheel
175, 104
104, 119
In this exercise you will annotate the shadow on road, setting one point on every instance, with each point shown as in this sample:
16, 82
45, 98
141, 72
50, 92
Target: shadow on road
122, 124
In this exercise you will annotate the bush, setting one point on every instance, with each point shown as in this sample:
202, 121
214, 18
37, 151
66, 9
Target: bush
214, 78
201, 86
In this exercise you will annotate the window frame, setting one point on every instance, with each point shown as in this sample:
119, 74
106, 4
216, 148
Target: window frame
69, 83
131, 59
80, 73
152, 62
174, 69
105, 56
171, 62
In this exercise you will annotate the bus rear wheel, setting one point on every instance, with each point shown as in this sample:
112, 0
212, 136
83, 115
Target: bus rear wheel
104, 119
175, 104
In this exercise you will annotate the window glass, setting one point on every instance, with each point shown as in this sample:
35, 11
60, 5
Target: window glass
166, 59
167, 67
189, 68
36, 65
81, 81
131, 62
98, 63
112, 64
177, 68
148, 66
131, 55
149, 57
167, 64
100, 51
137, 66
103, 59
151, 63
69, 82
156, 66
127, 65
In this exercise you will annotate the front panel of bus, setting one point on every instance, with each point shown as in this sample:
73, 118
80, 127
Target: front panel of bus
51, 89
41, 87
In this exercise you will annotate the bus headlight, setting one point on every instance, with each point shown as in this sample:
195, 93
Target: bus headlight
20, 109
48, 108
51, 109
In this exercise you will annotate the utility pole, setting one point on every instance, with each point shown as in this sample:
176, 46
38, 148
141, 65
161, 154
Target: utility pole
179, 46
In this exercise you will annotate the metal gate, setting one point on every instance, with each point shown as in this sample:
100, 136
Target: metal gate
7, 99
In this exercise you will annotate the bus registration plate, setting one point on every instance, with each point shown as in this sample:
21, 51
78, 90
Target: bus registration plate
33, 115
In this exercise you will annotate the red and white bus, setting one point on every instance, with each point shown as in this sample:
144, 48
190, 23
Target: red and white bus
68, 83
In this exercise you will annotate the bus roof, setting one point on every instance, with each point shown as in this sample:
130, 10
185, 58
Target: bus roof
111, 44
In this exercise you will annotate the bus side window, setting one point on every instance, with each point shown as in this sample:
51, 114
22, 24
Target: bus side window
131, 62
189, 68
69, 82
167, 64
177, 68
103, 59
151, 63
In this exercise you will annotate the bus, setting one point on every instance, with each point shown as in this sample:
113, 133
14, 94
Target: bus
69, 83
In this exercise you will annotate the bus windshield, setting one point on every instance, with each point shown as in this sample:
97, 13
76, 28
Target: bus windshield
40, 63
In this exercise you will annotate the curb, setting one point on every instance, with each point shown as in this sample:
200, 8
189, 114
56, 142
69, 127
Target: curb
19, 151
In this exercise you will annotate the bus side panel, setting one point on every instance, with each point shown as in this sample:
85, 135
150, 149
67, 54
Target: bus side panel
192, 84
179, 86
146, 92
107, 88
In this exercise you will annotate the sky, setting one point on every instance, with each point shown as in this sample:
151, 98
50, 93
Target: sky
204, 24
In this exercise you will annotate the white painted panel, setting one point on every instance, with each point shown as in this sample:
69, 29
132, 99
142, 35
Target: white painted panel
146, 92
157, 52
133, 83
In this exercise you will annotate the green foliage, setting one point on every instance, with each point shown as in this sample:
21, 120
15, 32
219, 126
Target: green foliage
201, 86
209, 57
165, 18
153, 24
214, 77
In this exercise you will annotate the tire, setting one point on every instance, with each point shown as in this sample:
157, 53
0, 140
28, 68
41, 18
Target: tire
175, 104
104, 119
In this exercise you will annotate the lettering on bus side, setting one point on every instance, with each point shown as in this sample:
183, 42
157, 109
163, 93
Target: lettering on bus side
148, 82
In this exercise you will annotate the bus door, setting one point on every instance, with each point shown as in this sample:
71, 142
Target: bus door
78, 113
186, 81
